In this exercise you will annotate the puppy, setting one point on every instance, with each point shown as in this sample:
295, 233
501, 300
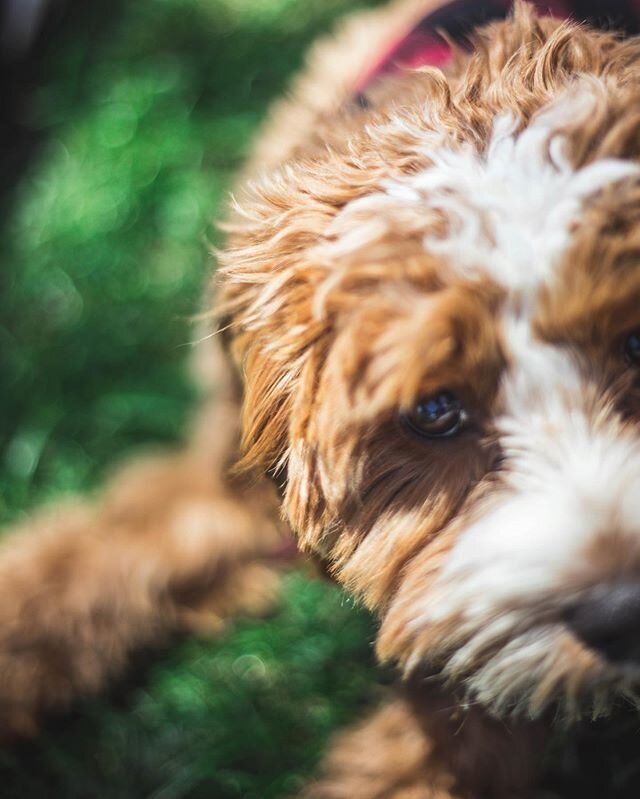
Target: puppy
433, 302
429, 306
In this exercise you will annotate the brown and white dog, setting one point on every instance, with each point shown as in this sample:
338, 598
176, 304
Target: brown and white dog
435, 306
430, 301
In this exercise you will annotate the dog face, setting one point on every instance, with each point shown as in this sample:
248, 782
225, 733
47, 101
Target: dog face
437, 317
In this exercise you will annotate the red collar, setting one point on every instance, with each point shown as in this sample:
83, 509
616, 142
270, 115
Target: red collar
425, 45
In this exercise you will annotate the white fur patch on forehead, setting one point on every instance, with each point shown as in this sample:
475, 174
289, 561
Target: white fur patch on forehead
509, 208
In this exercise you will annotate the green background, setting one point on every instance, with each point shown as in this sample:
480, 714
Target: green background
144, 111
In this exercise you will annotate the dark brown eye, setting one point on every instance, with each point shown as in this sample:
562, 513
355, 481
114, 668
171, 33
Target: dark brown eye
439, 416
632, 348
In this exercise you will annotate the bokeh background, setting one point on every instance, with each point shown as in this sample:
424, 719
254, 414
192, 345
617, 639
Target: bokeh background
122, 125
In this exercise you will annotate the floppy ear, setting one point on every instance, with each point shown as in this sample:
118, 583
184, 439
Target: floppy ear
269, 286
265, 290
271, 274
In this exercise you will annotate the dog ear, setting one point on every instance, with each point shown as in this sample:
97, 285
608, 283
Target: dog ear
273, 273
267, 283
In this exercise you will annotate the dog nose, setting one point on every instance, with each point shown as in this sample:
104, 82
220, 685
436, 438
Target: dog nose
608, 620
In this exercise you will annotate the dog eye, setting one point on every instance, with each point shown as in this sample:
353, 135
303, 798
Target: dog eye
439, 416
632, 348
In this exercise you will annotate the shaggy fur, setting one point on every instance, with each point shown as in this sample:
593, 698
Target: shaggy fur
472, 229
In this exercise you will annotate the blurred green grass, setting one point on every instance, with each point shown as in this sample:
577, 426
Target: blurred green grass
245, 717
144, 111
104, 243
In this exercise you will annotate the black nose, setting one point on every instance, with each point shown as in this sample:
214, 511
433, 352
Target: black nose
608, 620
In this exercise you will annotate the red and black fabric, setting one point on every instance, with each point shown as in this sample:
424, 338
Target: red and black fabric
427, 43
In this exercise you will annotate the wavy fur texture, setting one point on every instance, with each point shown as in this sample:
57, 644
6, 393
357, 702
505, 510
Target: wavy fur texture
473, 229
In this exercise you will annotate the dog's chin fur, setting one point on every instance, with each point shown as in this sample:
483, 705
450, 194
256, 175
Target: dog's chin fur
474, 229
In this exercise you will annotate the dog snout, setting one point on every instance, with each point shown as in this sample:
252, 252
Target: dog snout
607, 619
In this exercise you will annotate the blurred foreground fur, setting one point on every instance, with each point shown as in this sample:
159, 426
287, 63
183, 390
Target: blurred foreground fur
172, 544
459, 250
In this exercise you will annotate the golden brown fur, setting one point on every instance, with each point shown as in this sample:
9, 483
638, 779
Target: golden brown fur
404, 751
339, 319
336, 318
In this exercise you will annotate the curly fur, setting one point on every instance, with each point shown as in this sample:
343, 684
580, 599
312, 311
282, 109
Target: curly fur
473, 228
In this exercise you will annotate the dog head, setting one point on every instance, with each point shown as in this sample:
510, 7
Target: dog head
437, 318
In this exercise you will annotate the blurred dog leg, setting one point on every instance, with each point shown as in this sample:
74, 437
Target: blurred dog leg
171, 544
425, 746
